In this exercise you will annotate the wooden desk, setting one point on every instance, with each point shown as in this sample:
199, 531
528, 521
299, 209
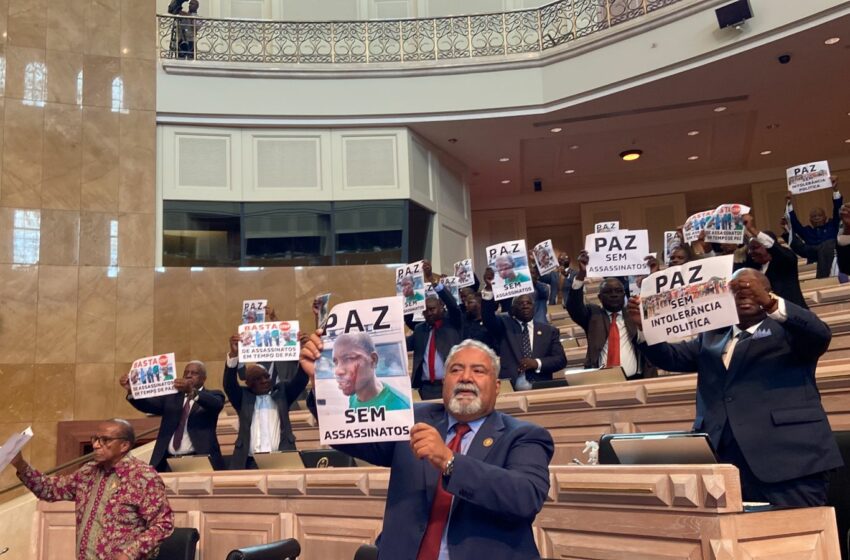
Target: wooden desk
660, 512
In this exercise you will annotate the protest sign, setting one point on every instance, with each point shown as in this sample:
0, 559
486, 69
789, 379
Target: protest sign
695, 224
410, 285
153, 376
451, 283
604, 227
363, 392
464, 273
685, 300
727, 224
323, 300
809, 177
671, 241
617, 253
544, 256
276, 341
254, 310
509, 260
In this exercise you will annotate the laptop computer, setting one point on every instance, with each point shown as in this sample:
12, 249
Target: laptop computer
190, 463
279, 460
656, 448
324, 458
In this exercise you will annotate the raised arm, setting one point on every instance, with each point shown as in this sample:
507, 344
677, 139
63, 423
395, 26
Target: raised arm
576, 308
231, 385
296, 385
494, 325
211, 400
807, 334
48, 488
453, 312
681, 356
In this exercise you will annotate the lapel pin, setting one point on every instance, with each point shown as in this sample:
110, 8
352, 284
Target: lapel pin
487, 442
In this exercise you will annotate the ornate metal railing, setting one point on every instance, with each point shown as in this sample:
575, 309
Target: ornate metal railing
395, 41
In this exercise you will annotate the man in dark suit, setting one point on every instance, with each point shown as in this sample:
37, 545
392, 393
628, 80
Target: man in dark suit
189, 418
529, 351
776, 262
432, 340
757, 398
611, 335
486, 468
263, 409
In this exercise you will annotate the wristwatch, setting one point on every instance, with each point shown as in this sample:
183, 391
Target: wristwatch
450, 464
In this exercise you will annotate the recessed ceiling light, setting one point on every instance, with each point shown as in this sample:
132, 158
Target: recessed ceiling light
575, 146
570, 171
765, 152
693, 158
556, 129
506, 181
693, 132
847, 141
631, 155
832, 40
719, 109
504, 159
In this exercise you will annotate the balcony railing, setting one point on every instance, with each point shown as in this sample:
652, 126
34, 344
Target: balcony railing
515, 33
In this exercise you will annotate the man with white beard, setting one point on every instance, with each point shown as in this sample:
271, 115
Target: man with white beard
489, 470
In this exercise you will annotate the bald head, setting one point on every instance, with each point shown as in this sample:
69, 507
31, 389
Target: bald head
752, 275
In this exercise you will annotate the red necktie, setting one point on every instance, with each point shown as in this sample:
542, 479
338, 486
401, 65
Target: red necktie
429, 548
181, 426
613, 343
432, 351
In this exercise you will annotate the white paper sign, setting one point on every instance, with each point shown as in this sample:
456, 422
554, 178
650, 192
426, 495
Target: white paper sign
410, 285
604, 227
809, 177
254, 310
153, 376
617, 253
464, 273
544, 256
671, 241
452, 284
685, 300
695, 224
276, 341
13, 446
362, 386
727, 224
509, 260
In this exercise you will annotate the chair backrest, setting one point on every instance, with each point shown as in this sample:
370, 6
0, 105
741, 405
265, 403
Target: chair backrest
288, 549
180, 545
366, 552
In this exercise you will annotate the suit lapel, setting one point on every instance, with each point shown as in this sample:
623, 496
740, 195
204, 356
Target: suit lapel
516, 332
537, 348
489, 432
439, 419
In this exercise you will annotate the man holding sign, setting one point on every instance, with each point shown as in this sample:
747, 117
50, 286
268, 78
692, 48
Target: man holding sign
819, 237
757, 398
486, 469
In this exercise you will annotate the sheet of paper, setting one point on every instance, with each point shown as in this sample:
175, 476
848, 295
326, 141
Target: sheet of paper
617, 253
509, 260
153, 376
276, 341
410, 285
13, 446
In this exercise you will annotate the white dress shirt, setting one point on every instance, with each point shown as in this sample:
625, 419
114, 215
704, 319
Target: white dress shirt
265, 422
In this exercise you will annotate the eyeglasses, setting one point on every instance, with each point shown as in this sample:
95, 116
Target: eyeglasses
103, 440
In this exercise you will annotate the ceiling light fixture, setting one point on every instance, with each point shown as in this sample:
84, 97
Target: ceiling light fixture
556, 129
506, 181
765, 152
693, 158
847, 141
504, 159
570, 171
575, 146
631, 155
693, 132
719, 109
832, 40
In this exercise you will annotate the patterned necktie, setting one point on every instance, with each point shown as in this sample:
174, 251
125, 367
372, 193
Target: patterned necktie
524, 342
432, 351
181, 426
613, 342
429, 548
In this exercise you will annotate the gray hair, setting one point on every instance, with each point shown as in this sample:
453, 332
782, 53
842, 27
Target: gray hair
478, 345
127, 431
359, 340
200, 363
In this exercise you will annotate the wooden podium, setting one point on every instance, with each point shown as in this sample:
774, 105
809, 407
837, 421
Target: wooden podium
661, 512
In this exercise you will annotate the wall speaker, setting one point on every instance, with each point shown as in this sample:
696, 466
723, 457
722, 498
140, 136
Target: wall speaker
734, 14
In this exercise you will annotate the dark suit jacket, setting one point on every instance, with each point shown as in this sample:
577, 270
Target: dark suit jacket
768, 395
506, 333
498, 489
284, 393
200, 426
783, 274
842, 252
447, 336
595, 321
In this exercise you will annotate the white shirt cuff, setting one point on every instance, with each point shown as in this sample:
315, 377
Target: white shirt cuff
539, 365
843, 240
577, 284
836, 195
781, 312
765, 240
640, 338
232, 362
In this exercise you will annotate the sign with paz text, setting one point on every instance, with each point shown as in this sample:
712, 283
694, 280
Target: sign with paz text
617, 253
808, 177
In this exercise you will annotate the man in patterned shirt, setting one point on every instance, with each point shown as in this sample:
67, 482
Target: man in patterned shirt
121, 509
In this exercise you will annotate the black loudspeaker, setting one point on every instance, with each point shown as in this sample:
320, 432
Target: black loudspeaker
734, 14
538, 185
